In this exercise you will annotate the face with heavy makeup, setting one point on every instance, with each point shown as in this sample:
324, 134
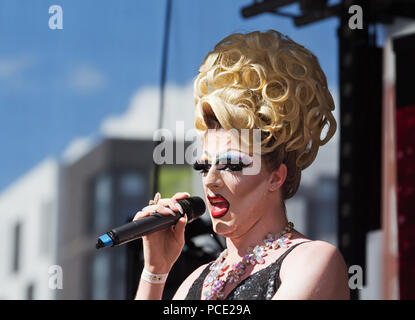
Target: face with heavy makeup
235, 200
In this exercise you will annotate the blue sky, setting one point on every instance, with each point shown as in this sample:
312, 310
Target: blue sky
56, 85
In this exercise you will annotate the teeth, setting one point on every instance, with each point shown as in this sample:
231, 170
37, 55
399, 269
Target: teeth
217, 200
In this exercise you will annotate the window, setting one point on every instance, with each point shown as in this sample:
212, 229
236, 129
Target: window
16, 247
131, 191
30, 291
132, 184
102, 203
46, 218
101, 271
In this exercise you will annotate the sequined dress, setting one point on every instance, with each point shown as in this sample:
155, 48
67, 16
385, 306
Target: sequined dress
261, 285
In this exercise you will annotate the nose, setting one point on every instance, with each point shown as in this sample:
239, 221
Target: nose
213, 179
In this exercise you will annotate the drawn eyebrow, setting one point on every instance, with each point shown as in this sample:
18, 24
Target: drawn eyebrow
227, 155
207, 154
228, 158
241, 157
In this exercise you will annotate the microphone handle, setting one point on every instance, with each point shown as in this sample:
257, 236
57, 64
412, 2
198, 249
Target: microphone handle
155, 222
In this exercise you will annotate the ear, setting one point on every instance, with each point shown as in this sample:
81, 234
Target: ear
277, 178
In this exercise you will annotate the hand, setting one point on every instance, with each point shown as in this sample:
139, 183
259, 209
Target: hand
162, 248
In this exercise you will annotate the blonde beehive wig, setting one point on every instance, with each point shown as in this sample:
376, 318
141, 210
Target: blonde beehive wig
266, 81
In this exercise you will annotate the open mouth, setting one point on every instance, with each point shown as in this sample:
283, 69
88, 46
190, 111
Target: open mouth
220, 205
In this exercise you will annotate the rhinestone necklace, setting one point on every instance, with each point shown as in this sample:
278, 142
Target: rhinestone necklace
253, 256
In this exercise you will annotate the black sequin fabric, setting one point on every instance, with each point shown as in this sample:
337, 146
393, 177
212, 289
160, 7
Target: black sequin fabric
261, 285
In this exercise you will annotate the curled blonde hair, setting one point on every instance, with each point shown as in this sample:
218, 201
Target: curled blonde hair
269, 82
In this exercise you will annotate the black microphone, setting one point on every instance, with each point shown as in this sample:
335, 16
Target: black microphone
193, 207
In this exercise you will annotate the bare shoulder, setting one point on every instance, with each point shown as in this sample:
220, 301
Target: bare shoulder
321, 269
187, 283
316, 250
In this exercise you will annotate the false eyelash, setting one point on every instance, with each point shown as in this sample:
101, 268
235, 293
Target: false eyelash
202, 167
234, 166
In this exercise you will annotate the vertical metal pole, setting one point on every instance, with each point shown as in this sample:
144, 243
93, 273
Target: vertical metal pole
162, 86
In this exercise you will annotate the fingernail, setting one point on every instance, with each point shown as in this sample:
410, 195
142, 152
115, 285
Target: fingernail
170, 211
188, 194
179, 207
157, 197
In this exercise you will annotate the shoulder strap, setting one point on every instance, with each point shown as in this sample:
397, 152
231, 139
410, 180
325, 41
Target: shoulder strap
276, 266
282, 257
195, 290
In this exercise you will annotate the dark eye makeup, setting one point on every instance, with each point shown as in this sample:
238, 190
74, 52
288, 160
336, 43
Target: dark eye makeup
227, 165
203, 167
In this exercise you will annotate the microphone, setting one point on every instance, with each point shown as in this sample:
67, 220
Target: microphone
193, 207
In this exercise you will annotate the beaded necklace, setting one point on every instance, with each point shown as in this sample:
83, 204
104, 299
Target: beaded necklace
253, 256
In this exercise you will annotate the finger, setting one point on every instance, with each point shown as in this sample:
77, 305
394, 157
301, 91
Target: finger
177, 196
157, 197
165, 210
179, 228
172, 202
181, 195
160, 208
149, 210
139, 215
145, 212
151, 207
175, 206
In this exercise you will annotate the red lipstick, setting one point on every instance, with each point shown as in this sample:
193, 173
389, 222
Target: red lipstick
220, 205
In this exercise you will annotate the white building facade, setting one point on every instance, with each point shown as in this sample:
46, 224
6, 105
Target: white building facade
28, 216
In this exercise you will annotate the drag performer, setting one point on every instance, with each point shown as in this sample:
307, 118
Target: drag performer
263, 82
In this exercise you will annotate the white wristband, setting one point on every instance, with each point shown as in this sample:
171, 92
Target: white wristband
153, 277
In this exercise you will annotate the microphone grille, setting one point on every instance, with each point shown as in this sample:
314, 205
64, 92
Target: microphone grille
194, 207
